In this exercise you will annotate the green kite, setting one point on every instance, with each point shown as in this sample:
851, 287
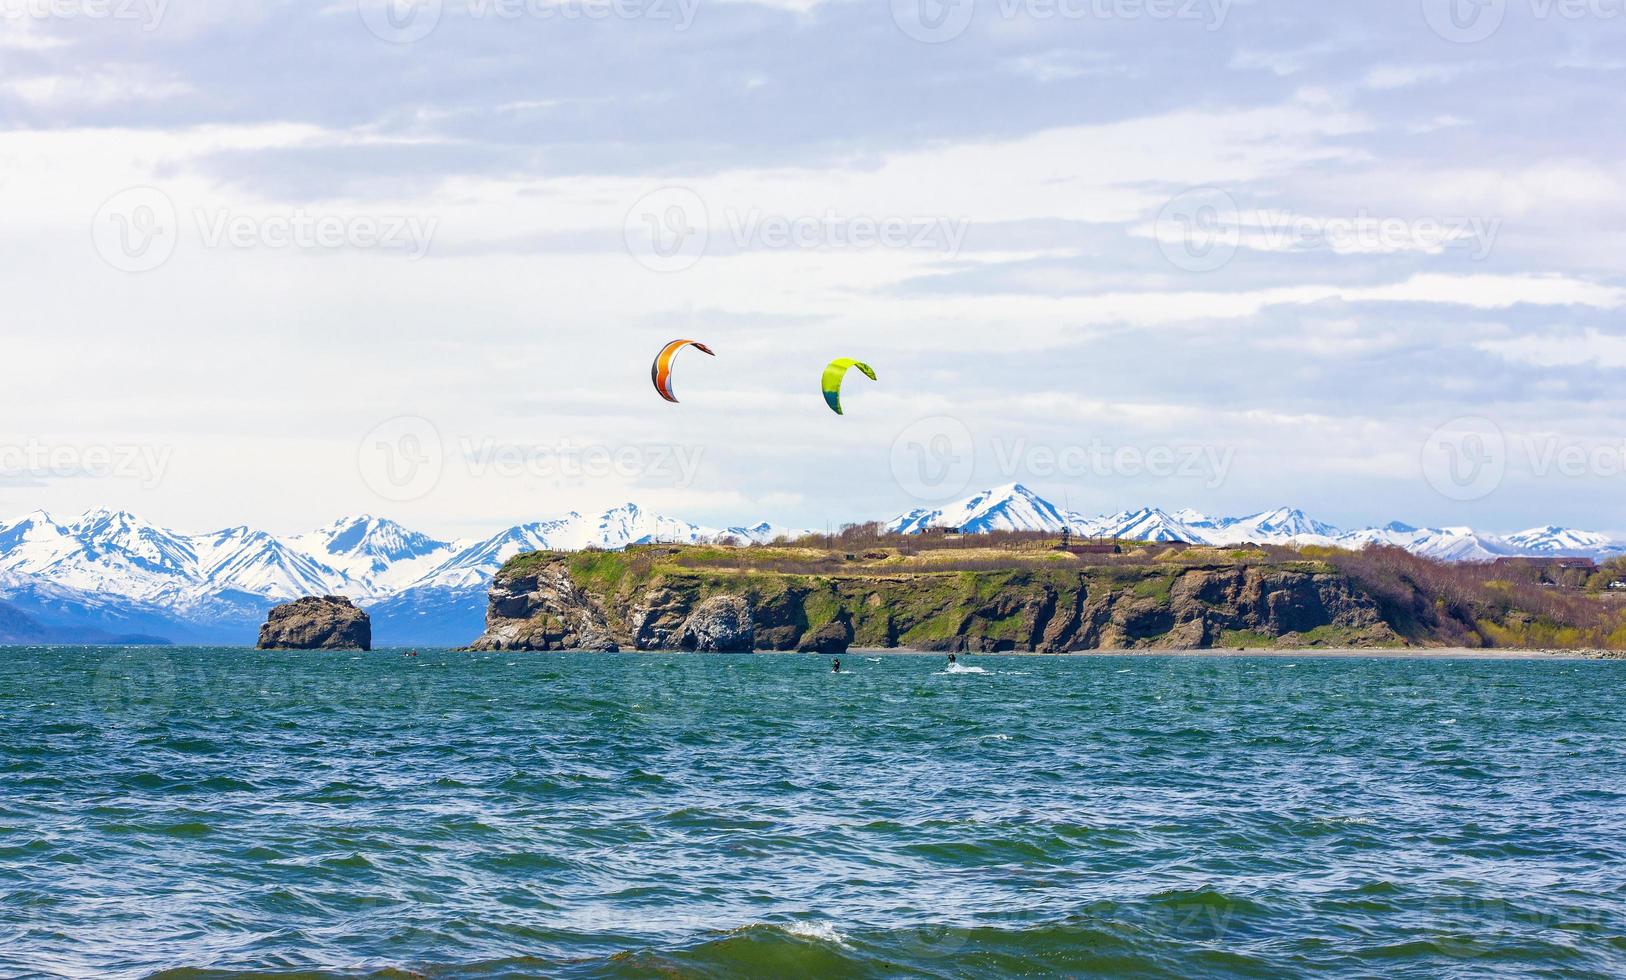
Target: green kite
833, 376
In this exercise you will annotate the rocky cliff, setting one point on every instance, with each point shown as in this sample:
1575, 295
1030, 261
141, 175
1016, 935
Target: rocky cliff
317, 623
712, 599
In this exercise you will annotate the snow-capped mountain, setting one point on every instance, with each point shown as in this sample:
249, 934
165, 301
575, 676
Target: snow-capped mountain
1283, 522
117, 575
1552, 540
1146, 524
372, 554
1009, 508
109, 575
1283, 525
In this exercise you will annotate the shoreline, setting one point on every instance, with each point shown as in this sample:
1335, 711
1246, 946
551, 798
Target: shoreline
1409, 653
1311, 653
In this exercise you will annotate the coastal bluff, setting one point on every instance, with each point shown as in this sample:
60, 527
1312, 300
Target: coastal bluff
724, 599
317, 623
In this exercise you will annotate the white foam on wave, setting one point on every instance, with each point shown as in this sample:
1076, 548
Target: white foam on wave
822, 931
962, 669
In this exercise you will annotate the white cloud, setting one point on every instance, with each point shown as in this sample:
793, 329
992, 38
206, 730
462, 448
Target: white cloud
1561, 349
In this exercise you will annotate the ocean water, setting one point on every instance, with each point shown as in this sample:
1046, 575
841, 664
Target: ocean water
210, 812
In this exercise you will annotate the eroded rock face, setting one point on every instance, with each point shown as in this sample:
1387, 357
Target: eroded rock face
721, 624
540, 607
831, 638
317, 623
545, 611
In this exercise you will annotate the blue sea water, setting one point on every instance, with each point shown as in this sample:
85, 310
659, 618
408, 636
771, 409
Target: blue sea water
214, 812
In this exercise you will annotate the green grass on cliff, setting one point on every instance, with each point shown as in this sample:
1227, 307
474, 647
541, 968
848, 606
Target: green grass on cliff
991, 590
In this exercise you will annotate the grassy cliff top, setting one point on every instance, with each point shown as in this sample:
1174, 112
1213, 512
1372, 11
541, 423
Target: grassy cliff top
1459, 604
891, 560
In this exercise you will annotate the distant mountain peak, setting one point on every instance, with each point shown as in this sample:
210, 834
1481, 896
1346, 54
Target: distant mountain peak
133, 567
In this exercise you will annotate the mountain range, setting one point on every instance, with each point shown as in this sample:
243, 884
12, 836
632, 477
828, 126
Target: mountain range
1016, 508
110, 577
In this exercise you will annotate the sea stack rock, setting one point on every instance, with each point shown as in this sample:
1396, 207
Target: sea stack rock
317, 623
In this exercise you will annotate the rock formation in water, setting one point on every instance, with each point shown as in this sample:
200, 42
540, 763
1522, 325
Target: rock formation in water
650, 600
317, 623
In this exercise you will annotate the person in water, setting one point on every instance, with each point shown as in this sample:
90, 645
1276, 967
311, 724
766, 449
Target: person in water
835, 668
952, 659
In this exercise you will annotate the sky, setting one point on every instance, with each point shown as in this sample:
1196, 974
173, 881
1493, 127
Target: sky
270, 263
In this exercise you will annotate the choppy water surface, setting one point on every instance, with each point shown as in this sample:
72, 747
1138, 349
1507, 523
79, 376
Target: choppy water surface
590, 815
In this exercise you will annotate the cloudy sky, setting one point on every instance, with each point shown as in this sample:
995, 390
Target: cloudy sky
270, 262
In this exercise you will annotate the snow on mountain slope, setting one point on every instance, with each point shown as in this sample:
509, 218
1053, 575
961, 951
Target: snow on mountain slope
378, 554
1196, 519
763, 533
101, 551
1272, 526
622, 526
142, 544
34, 541
474, 565
1012, 507
1552, 540
1459, 544
253, 561
1146, 524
